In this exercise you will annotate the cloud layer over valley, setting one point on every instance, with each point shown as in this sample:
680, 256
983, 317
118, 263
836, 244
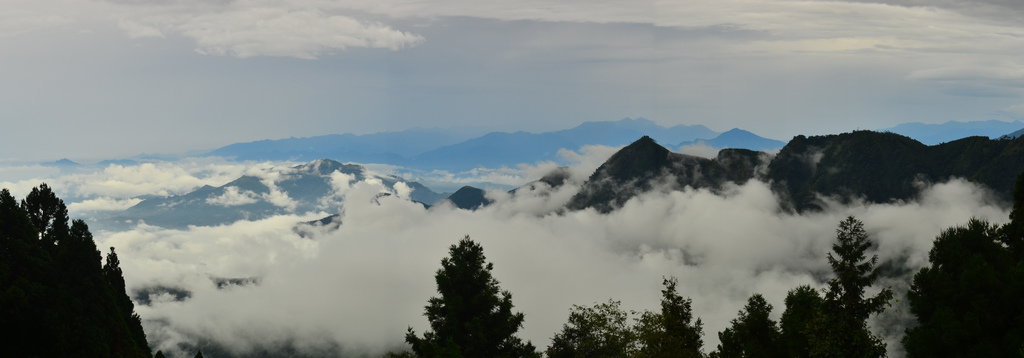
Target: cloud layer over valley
260, 285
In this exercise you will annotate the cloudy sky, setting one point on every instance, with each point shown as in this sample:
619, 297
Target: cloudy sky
95, 79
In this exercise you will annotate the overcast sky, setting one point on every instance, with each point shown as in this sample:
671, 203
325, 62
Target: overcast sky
92, 79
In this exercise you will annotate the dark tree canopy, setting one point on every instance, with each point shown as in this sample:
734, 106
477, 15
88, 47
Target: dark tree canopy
970, 300
472, 317
673, 332
753, 334
601, 331
53, 289
840, 330
802, 305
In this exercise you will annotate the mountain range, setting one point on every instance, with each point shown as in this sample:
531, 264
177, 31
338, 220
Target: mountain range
932, 134
876, 167
430, 150
453, 150
303, 188
738, 138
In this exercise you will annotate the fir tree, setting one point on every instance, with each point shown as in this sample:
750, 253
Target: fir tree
840, 330
472, 317
752, 334
673, 332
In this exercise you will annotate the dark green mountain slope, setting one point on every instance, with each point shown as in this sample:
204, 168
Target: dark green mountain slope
876, 167
469, 198
645, 166
882, 167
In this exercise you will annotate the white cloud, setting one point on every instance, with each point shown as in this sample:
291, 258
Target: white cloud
101, 204
288, 32
233, 197
1017, 110
362, 285
402, 190
997, 73
160, 178
588, 159
19, 17
699, 150
136, 30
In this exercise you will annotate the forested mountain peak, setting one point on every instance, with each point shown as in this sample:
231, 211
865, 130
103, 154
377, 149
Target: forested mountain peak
877, 167
638, 168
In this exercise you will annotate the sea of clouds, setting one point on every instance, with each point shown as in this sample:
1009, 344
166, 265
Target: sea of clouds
356, 289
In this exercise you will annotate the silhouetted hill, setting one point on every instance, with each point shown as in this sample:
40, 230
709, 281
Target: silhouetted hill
644, 166
64, 162
1015, 134
469, 198
881, 167
738, 138
876, 167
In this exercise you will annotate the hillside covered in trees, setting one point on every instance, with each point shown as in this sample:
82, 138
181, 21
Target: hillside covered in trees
865, 165
56, 298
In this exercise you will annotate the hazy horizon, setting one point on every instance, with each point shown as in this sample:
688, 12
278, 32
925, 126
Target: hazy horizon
104, 79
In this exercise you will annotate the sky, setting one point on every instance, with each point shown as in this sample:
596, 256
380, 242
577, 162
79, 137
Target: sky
103, 79
100, 79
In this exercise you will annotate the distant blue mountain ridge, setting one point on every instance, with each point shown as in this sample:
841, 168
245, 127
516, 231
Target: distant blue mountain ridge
429, 149
738, 138
437, 149
385, 147
932, 134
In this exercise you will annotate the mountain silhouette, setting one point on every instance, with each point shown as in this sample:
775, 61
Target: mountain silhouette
861, 165
645, 165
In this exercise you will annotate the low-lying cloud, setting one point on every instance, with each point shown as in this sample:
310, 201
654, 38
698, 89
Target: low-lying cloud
360, 286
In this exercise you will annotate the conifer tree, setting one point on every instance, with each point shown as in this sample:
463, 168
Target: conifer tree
48, 214
802, 305
753, 334
970, 300
472, 317
594, 332
673, 332
115, 280
52, 286
840, 330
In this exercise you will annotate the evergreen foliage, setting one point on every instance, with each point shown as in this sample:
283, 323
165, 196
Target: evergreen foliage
673, 332
601, 331
970, 300
840, 329
472, 317
881, 167
53, 288
802, 305
752, 334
